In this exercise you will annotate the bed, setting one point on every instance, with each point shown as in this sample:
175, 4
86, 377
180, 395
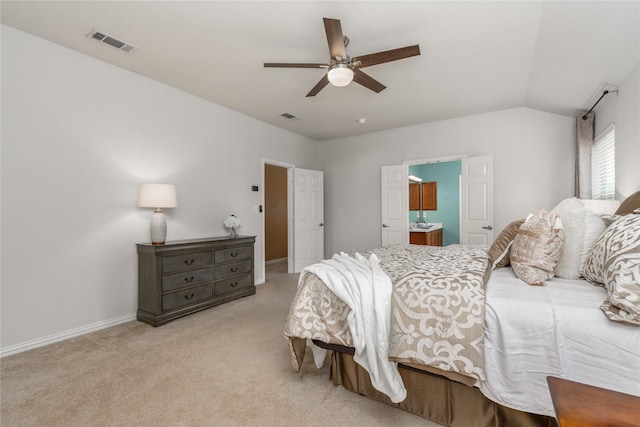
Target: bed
467, 335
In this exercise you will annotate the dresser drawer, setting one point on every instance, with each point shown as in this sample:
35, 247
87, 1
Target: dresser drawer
233, 254
182, 262
232, 269
186, 297
186, 278
233, 284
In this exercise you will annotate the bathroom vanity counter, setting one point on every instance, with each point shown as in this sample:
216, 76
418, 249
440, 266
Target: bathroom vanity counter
433, 226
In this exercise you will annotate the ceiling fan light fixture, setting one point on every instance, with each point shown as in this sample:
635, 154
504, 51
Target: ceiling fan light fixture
340, 75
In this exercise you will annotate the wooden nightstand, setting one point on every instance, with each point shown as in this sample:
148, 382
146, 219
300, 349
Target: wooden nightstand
581, 405
182, 277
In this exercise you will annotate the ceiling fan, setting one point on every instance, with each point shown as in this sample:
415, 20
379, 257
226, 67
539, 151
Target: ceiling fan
342, 68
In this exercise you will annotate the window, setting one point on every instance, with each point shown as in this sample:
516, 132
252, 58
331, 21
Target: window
603, 164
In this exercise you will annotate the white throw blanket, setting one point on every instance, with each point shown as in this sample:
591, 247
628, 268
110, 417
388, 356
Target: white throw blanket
366, 290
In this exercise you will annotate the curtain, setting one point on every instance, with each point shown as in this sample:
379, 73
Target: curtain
584, 142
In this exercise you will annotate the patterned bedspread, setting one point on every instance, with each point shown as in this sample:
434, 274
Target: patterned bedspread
437, 308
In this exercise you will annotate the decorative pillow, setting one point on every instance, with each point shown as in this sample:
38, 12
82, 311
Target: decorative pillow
572, 213
614, 262
594, 227
609, 219
536, 248
499, 250
630, 204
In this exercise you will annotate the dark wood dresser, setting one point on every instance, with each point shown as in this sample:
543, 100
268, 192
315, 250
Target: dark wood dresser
184, 276
582, 405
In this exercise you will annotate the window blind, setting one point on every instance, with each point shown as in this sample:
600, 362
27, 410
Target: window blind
603, 164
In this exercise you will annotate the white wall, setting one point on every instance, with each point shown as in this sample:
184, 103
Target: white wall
624, 110
533, 156
78, 137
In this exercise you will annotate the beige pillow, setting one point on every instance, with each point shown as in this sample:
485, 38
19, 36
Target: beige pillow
536, 248
499, 250
609, 219
629, 205
614, 262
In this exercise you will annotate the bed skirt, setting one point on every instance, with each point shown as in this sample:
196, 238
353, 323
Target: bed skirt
435, 397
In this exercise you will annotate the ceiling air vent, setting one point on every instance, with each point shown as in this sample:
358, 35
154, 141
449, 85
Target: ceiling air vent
111, 41
288, 116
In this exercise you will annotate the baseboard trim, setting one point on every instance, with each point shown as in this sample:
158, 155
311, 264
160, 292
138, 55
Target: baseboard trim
62, 336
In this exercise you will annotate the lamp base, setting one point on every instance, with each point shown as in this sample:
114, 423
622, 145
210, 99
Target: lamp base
158, 228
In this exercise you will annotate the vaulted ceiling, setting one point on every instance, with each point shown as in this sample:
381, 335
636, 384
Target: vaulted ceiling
475, 57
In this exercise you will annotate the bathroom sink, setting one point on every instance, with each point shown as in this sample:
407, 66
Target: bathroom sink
423, 225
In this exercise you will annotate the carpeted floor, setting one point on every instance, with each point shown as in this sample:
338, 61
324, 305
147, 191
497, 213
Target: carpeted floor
225, 366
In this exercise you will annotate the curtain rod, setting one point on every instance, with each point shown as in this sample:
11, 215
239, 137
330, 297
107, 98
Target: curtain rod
594, 105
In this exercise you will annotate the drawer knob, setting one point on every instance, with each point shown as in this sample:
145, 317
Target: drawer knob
234, 254
233, 269
188, 297
189, 261
233, 285
188, 279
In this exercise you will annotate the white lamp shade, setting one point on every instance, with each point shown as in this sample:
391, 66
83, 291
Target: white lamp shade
340, 75
157, 196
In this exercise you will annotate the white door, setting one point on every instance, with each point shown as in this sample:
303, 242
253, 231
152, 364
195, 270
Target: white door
395, 205
477, 201
308, 218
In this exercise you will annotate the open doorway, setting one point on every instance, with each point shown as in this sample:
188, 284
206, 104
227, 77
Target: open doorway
276, 233
445, 210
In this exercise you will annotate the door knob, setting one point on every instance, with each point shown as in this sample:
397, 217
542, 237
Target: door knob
385, 225
488, 227
321, 224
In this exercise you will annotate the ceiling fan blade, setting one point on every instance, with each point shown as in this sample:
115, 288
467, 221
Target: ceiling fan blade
367, 81
318, 87
333, 28
386, 56
293, 65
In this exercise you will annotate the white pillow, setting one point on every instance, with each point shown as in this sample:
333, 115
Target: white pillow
594, 227
572, 214
581, 229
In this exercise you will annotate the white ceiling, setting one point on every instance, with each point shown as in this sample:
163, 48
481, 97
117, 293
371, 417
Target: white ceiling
476, 56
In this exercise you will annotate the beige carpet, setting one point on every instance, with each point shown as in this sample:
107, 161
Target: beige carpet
225, 366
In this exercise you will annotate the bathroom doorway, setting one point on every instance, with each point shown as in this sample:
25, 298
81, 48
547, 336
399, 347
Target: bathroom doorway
446, 178
276, 207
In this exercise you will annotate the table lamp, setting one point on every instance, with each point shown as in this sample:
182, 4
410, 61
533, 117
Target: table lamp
158, 196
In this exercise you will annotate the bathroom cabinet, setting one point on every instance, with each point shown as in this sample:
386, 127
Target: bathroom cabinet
429, 238
429, 196
423, 196
414, 197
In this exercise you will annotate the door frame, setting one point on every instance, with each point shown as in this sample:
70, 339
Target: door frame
443, 159
290, 248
